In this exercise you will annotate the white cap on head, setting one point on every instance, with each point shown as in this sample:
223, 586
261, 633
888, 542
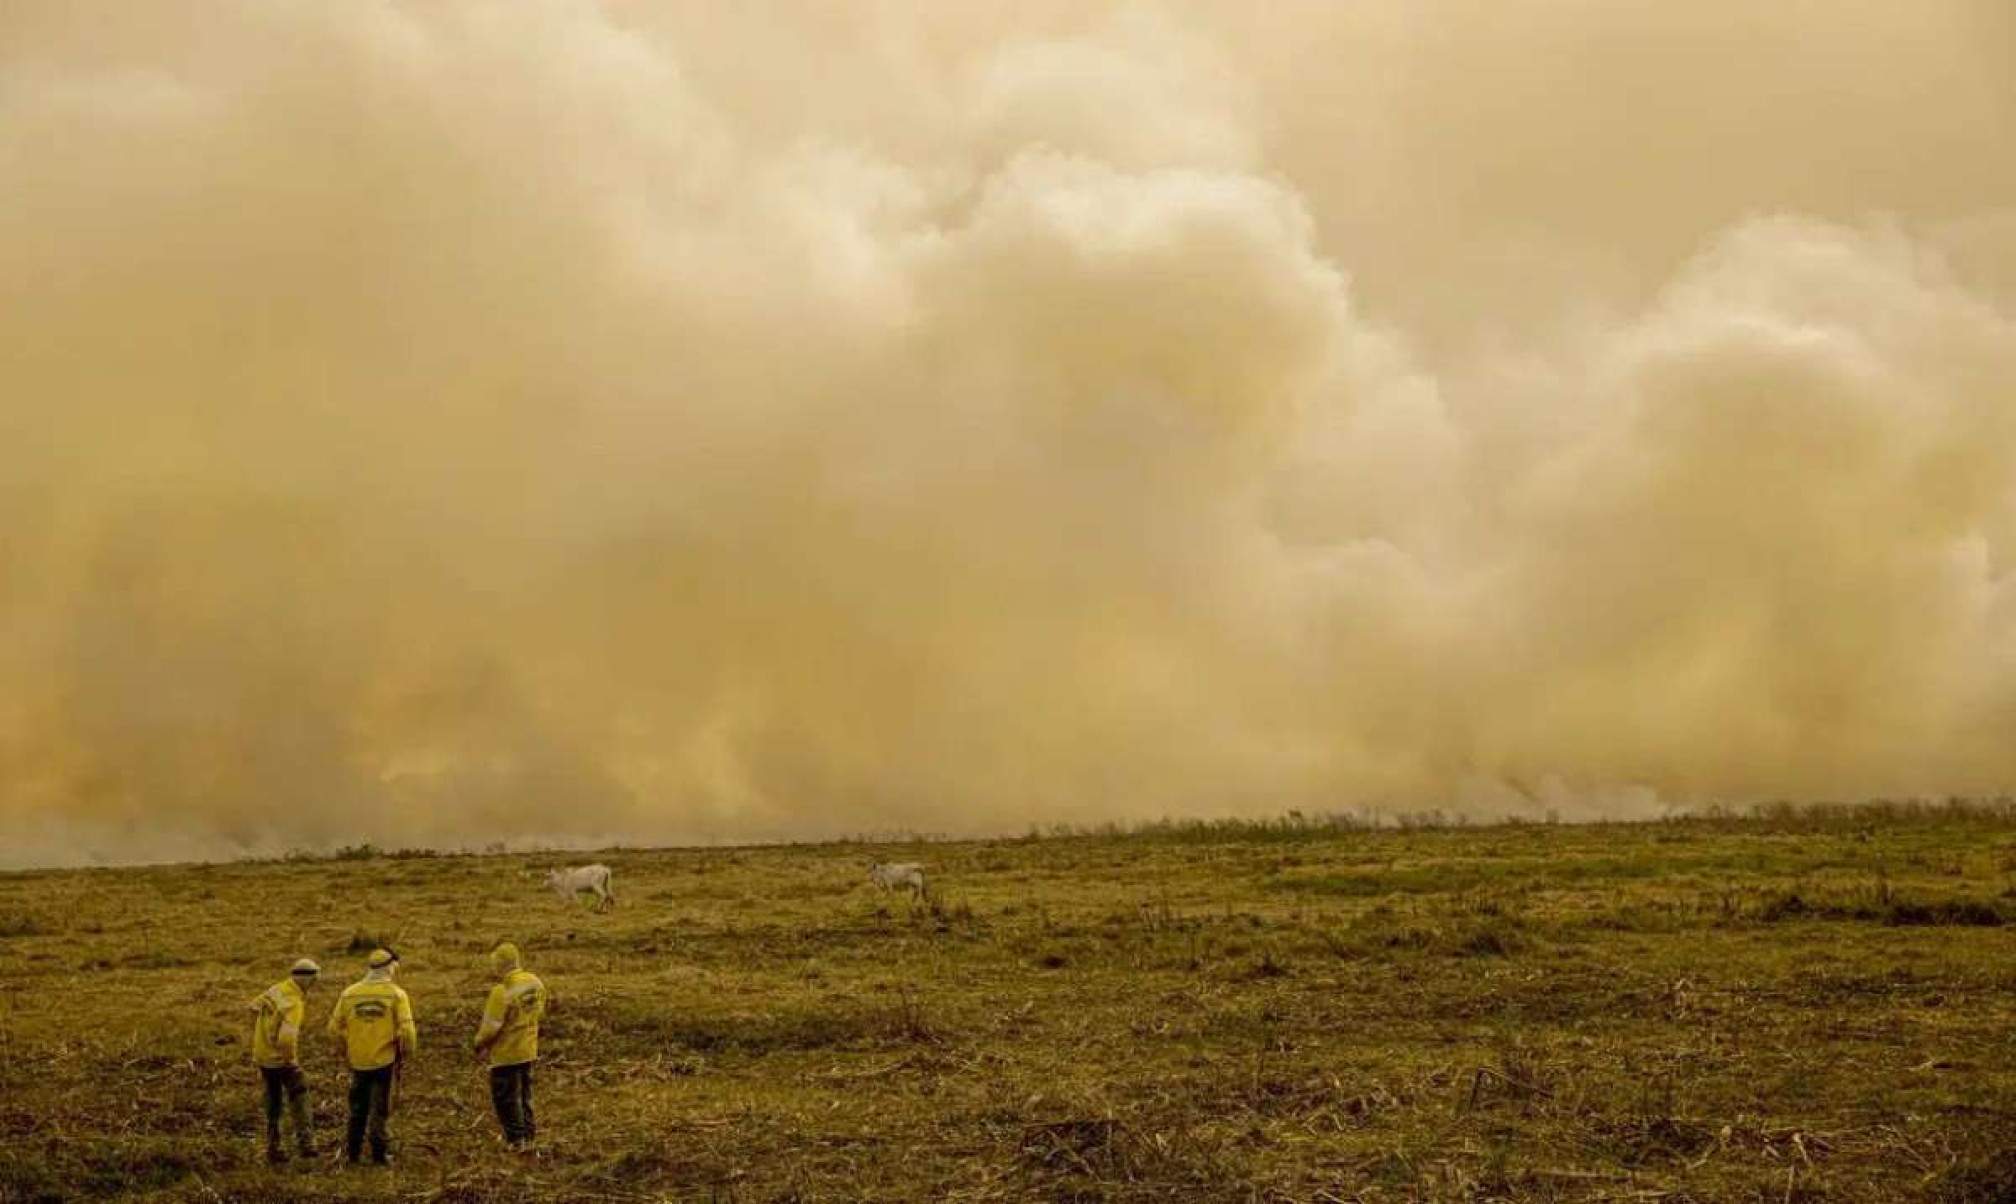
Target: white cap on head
306, 966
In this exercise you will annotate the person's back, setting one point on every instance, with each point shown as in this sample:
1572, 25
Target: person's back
374, 1021
519, 1003
509, 1035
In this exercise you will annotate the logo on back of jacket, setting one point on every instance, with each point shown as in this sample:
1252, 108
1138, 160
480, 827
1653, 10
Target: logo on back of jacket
371, 1009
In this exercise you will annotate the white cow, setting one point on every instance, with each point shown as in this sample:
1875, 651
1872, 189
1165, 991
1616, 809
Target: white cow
570, 884
905, 875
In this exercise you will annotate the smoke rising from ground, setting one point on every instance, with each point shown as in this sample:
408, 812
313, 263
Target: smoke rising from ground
449, 422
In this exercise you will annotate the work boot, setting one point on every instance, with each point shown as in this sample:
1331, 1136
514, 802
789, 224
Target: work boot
275, 1155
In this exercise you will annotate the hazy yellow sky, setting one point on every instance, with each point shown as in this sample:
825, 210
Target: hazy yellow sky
447, 422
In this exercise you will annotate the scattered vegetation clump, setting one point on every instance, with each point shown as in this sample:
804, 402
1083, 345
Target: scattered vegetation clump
1862, 818
1269, 964
364, 940
1495, 938
909, 1021
1988, 1179
1518, 1074
1291, 827
1051, 957
1974, 913
1787, 905
1461, 933
22, 923
414, 854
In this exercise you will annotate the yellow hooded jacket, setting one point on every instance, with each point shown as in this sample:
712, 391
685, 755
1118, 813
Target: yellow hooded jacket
511, 1015
374, 1020
276, 1024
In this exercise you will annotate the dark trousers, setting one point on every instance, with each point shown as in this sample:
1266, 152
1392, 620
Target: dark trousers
289, 1084
511, 1094
370, 1106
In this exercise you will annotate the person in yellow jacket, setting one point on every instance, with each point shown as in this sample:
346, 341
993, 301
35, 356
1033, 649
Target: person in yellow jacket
509, 1037
276, 1046
373, 1024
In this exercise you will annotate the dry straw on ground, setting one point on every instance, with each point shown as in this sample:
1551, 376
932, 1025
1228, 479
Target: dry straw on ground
1801, 1006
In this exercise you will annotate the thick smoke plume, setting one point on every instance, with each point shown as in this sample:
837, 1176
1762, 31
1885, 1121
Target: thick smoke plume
449, 422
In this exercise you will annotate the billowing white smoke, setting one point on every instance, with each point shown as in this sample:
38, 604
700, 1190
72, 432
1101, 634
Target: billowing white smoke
451, 422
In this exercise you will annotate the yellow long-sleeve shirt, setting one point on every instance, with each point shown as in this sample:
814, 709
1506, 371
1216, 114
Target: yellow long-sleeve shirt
511, 1016
276, 1024
374, 1020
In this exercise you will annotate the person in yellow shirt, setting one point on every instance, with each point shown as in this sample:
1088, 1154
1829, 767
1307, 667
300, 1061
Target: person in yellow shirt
276, 1046
509, 1037
373, 1024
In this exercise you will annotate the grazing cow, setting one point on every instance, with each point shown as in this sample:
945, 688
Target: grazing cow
907, 875
594, 880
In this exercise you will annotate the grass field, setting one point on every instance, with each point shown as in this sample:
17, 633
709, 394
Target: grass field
1802, 1006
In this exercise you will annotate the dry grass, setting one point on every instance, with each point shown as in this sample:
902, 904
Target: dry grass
1801, 1006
